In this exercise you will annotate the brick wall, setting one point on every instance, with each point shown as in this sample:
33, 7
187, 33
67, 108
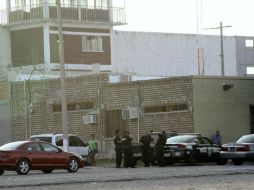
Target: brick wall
153, 92
39, 118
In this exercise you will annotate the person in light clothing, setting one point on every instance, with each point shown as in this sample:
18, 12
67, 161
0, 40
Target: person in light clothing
93, 148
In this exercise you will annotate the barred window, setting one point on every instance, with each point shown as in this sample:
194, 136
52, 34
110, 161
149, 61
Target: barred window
74, 106
165, 108
92, 43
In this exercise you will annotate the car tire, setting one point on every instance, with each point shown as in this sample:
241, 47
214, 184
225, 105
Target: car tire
1, 171
193, 159
237, 162
23, 167
73, 165
222, 161
47, 171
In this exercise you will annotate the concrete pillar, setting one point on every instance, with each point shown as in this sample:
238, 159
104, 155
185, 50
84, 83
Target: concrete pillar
45, 9
46, 45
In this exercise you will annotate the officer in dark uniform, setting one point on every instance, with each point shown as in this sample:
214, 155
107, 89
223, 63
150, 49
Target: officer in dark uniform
146, 151
159, 148
118, 149
126, 145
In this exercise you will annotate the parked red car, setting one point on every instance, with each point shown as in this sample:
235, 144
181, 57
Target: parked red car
23, 156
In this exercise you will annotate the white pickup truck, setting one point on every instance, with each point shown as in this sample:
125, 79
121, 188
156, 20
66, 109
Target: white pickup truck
76, 144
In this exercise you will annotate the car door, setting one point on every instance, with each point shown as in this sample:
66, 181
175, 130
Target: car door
82, 147
73, 147
36, 154
54, 157
208, 152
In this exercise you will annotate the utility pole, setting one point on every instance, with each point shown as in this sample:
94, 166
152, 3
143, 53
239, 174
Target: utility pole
222, 50
62, 80
221, 46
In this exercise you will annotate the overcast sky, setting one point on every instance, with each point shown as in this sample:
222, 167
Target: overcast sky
181, 16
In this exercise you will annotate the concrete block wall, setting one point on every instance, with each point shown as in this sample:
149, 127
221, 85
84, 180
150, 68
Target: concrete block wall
5, 113
224, 110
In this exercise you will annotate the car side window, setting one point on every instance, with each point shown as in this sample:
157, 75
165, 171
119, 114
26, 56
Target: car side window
72, 141
59, 141
49, 148
79, 142
34, 147
203, 140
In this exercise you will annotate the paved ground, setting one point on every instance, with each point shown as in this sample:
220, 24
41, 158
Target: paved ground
105, 176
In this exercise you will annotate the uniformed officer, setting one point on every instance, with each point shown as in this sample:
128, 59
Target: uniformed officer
126, 145
146, 151
159, 148
118, 149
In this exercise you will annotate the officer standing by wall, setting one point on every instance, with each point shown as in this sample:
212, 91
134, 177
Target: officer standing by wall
118, 149
126, 145
146, 151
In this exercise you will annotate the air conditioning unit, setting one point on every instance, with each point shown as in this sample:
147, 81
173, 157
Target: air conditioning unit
130, 113
90, 118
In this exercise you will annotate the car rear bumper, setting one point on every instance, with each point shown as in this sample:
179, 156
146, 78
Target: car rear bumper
177, 155
233, 155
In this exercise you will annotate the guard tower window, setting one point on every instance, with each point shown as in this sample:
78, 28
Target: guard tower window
92, 43
249, 43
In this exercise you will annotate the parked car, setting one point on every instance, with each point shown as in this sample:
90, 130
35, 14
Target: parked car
240, 151
191, 149
23, 156
136, 148
76, 144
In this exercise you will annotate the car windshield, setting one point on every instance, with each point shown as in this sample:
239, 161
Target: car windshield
181, 139
11, 146
246, 139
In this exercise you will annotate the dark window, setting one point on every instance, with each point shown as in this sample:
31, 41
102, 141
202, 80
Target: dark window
203, 140
72, 141
78, 141
73, 106
165, 108
113, 121
251, 118
57, 108
59, 141
85, 105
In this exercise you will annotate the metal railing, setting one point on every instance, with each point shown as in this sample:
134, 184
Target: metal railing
17, 15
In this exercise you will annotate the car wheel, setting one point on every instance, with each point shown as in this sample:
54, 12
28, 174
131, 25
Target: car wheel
193, 159
1, 171
169, 161
237, 162
73, 165
47, 171
221, 161
23, 167
135, 160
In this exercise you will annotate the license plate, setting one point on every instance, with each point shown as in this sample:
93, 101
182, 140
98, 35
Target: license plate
177, 154
167, 154
137, 154
231, 149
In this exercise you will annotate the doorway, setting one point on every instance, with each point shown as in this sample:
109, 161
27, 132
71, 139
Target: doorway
251, 119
